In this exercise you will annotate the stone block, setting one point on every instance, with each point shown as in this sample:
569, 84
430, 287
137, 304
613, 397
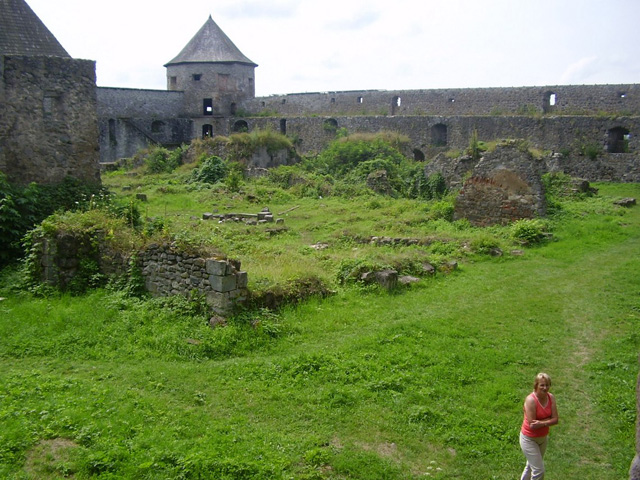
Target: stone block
219, 302
223, 284
242, 279
216, 267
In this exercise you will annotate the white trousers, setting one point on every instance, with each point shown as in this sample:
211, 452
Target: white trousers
533, 448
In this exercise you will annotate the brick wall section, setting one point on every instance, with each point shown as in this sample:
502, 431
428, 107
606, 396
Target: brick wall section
166, 270
48, 125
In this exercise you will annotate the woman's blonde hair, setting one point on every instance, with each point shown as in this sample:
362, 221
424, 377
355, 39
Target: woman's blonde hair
541, 376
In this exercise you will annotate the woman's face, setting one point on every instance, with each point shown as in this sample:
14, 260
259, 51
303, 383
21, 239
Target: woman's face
543, 386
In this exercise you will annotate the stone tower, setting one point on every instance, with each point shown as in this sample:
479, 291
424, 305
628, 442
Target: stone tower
48, 121
214, 75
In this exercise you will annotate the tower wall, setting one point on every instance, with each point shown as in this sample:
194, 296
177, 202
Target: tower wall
48, 126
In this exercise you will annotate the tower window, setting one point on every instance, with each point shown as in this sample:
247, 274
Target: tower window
207, 131
207, 106
550, 102
173, 83
197, 77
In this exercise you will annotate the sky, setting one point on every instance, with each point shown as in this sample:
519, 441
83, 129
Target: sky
337, 45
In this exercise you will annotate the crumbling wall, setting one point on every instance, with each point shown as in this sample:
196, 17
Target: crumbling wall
567, 136
164, 268
506, 185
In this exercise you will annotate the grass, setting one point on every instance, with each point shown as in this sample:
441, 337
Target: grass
426, 382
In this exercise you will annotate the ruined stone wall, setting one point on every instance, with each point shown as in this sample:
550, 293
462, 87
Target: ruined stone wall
506, 185
170, 272
165, 269
123, 137
48, 125
559, 99
432, 135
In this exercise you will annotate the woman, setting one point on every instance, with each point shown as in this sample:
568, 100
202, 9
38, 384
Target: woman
540, 412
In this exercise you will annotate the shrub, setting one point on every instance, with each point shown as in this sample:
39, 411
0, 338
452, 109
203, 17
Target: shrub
345, 153
528, 231
23, 207
162, 160
211, 170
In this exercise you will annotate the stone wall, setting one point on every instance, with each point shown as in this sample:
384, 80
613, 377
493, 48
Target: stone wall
48, 125
505, 186
558, 99
165, 269
138, 103
429, 136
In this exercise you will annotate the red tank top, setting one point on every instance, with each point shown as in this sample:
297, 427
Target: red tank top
542, 413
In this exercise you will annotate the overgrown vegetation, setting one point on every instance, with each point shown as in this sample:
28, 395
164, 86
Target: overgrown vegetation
355, 382
22, 207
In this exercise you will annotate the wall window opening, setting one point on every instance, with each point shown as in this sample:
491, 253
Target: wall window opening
418, 155
240, 126
439, 135
622, 94
157, 126
330, 125
618, 140
550, 102
395, 104
47, 105
233, 108
207, 106
207, 131
283, 126
360, 99
284, 100
197, 77
112, 131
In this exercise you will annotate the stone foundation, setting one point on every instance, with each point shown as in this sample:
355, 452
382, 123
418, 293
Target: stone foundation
165, 269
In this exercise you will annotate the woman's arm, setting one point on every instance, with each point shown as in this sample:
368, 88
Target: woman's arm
553, 419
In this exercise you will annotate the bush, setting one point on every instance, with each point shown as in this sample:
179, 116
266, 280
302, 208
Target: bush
162, 160
345, 153
211, 170
528, 231
21, 208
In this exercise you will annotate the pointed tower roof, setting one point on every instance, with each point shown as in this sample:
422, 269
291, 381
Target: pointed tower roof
23, 33
210, 45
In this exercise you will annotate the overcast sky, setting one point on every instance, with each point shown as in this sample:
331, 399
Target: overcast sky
328, 45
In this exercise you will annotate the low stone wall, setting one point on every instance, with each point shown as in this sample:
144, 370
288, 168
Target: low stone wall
165, 269
168, 272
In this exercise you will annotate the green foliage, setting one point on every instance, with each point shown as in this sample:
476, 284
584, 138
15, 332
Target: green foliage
163, 160
241, 146
529, 231
591, 150
211, 170
346, 153
476, 147
342, 386
23, 207
234, 177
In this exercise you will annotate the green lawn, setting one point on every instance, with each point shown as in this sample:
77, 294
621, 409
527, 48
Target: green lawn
425, 382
